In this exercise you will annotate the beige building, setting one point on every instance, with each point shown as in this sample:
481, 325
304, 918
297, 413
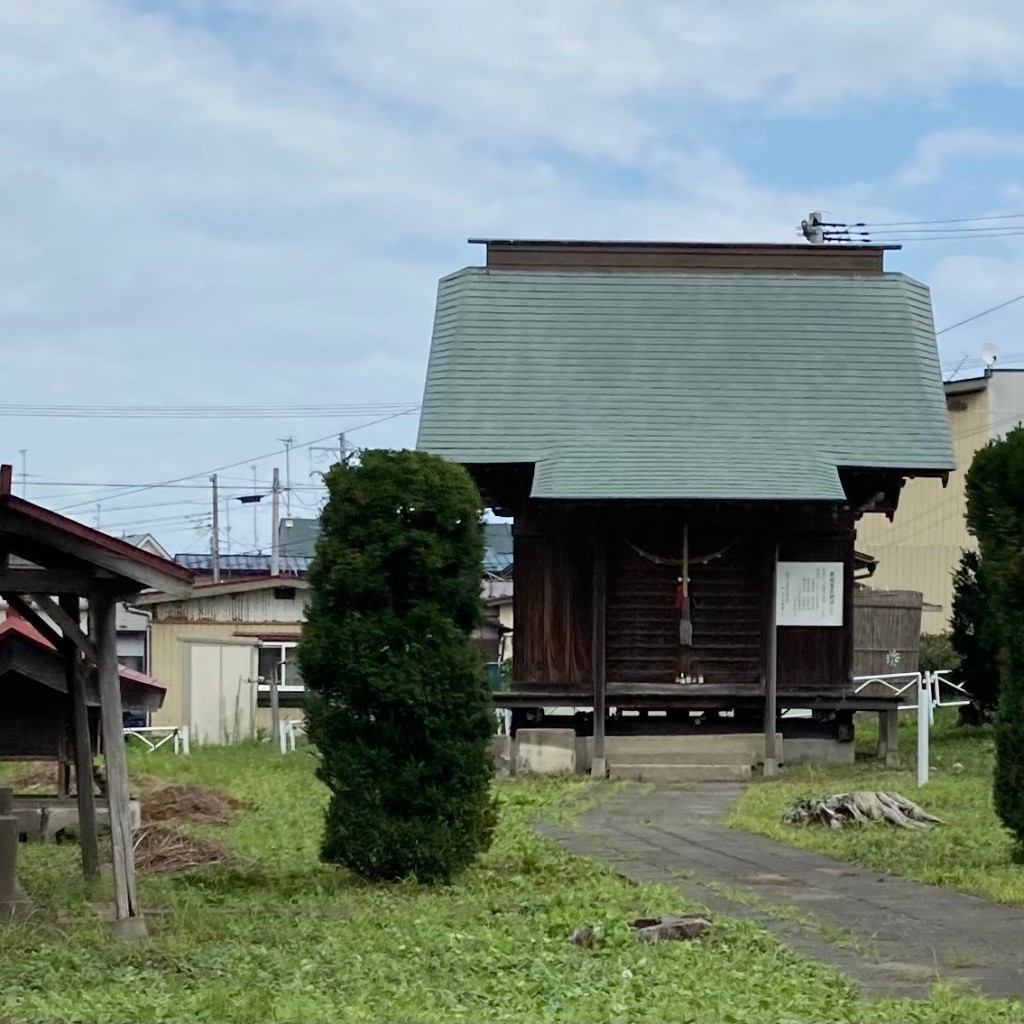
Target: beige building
217, 649
921, 548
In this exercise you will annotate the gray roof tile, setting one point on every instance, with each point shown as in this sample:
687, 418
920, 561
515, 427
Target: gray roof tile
685, 385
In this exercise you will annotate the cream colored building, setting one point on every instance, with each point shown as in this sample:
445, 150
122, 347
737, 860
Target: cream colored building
226, 638
921, 548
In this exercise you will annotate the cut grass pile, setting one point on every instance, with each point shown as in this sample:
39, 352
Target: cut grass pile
971, 851
276, 936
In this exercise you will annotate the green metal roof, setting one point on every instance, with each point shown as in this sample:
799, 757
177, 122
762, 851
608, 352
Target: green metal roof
685, 385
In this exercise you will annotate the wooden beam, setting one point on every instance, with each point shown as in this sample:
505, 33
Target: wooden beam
137, 574
771, 680
51, 581
69, 625
81, 743
598, 661
130, 922
23, 606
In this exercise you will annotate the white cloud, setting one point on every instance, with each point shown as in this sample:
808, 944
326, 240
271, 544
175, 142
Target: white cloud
937, 152
251, 201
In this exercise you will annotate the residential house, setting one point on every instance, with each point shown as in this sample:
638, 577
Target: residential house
920, 548
217, 649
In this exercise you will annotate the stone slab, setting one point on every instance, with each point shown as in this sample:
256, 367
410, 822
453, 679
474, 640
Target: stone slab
545, 751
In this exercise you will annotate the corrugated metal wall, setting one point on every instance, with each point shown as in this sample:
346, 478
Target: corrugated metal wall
249, 606
167, 656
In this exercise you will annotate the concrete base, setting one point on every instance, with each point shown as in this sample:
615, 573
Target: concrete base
45, 818
770, 766
545, 751
598, 768
130, 929
810, 750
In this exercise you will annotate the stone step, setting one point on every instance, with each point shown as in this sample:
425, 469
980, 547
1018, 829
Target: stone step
663, 755
680, 772
693, 743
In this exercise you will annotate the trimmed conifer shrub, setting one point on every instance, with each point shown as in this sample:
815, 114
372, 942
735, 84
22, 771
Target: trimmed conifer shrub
995, 515
399, 704
974, 636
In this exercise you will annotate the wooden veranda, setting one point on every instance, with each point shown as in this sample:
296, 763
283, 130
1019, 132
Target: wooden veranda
48, 564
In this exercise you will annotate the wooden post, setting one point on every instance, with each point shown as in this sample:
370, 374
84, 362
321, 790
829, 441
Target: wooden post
81, 744
599, 767
771, 760
129, 922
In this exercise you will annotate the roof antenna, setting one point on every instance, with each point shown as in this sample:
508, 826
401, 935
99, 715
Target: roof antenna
819, 231
989, 355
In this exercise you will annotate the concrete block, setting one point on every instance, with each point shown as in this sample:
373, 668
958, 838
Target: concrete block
44, 818
545, 751
130, 929
599, 768
814, 750
680, 772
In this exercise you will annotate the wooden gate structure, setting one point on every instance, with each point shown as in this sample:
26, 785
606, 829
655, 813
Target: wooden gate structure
48, 563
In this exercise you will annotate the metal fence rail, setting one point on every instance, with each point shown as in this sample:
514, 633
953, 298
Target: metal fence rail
153, 737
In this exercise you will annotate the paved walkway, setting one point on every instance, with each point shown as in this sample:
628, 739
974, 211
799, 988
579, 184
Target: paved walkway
891, 936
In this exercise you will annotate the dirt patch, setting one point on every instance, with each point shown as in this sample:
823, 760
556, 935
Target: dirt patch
160, 849
191, 804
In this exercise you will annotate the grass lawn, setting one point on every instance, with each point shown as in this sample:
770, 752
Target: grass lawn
280, 937
971, 851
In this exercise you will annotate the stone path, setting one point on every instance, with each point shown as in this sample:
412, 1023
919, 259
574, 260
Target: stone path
891, 936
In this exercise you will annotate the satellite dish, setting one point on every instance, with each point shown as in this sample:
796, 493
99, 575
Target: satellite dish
989, 353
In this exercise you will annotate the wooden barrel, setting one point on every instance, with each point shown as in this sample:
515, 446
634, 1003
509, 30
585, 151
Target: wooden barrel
886, 631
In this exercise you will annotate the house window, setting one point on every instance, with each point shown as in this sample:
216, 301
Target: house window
278, 659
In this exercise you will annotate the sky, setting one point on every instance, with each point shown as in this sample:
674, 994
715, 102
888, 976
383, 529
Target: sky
210, 203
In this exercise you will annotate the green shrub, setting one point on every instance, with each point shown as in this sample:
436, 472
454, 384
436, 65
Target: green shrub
400, 706
936, 653
974, 635
995, 515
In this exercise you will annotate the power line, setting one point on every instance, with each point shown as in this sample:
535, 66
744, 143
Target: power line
241, 462
978, 316
951, 220
199, 412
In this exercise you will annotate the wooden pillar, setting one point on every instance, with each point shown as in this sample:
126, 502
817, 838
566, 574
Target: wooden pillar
129, 922
888, 749
771, 676
81, 744
599, 768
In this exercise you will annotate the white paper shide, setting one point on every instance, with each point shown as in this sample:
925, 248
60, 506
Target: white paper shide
809, 594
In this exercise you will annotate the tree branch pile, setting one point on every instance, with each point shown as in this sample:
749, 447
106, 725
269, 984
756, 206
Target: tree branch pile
861, 808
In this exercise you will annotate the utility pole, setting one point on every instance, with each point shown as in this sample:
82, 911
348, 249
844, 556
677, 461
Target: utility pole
215, 533
341, 446
275, 515
287, 442
23, 452
227, 522
255, 513
99, 509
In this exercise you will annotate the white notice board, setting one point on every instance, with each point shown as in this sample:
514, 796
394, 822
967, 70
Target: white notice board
809, 594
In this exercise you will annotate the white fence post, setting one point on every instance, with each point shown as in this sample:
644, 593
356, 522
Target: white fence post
183, 732
924, 716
